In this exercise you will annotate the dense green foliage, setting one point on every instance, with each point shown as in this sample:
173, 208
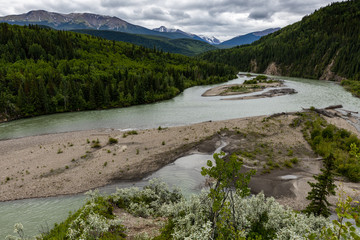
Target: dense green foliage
329, 36
46, 71
321, 189
227, 177
189, 47
326, 139
352, 86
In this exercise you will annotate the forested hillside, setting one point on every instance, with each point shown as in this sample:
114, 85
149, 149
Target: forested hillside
47, 71
323, 45
186, 46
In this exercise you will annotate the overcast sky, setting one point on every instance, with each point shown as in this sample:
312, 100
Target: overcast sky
220, 18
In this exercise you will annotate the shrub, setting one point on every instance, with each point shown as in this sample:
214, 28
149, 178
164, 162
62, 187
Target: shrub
96, 144
112, 140
132, 132
294, 160
328, 132
288, 164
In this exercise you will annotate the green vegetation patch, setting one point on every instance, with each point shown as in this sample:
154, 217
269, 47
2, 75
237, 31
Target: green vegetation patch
44, 71
326, 139
352, 86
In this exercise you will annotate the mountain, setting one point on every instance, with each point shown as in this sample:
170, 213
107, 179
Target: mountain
210, 40
323, 45
73, 21
167, 30
247, 38
189, 47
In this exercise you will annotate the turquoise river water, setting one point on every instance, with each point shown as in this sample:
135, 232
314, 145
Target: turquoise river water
187, 108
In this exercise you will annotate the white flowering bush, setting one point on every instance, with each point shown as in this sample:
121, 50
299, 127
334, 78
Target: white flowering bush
190, 217
19, 230
255, 216
147, 201
90, 224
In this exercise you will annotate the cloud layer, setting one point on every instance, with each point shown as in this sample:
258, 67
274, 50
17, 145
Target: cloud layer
221, 18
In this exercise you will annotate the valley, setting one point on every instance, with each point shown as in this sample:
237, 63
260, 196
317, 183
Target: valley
159, 133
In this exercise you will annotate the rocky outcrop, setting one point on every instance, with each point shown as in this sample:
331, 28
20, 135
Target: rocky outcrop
272, 69
330, 75
253, 66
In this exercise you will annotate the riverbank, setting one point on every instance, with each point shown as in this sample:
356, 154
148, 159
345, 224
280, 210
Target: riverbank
74, 162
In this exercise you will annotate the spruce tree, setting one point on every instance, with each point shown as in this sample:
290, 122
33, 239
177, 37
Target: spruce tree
323, 187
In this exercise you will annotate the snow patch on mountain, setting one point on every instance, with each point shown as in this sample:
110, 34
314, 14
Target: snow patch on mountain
212, 40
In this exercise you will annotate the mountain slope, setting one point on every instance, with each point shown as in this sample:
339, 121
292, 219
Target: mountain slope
46, 71
210, 40
73, 21
323, 45
187, 47
247, 38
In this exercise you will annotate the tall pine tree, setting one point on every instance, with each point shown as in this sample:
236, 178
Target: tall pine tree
323, 187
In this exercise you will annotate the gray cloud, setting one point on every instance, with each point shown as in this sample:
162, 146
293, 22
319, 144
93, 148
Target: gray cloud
260, 14
221, 18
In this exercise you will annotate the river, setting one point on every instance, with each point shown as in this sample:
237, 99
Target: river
187, 108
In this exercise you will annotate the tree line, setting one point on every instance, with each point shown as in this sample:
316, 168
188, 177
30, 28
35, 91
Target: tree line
327, 38
45, 71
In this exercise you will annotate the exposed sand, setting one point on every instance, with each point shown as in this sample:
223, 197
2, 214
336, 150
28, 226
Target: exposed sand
225, 90
65, 163
267, 94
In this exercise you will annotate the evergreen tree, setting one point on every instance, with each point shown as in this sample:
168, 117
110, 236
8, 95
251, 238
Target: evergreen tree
46, 71
323, 187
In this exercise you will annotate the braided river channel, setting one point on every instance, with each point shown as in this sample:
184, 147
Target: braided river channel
187, 108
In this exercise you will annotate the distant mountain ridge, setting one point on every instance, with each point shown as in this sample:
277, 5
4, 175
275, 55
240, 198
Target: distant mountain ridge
74, 21
90, 21
189, 47
247, 38
211, 40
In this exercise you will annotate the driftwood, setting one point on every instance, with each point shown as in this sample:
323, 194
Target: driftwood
321, 111
325, 113
348, 111
334, 107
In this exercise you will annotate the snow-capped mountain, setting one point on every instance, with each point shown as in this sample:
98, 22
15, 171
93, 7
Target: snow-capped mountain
210, 40
165, 29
